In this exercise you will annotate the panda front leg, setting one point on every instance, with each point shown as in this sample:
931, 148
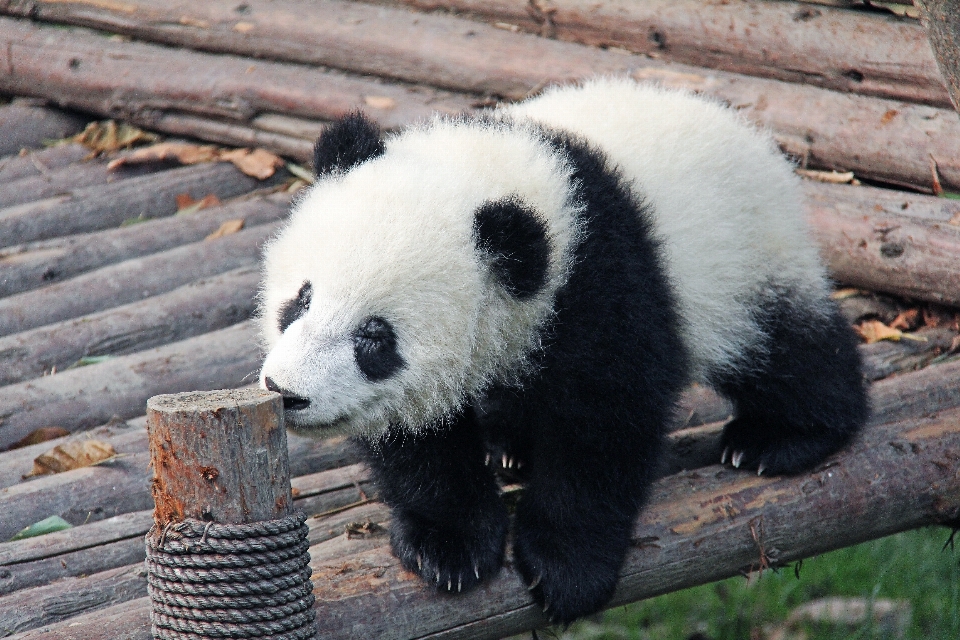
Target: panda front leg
575, 519
449, 524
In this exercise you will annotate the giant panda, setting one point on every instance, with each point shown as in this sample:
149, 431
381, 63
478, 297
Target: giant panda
532, 288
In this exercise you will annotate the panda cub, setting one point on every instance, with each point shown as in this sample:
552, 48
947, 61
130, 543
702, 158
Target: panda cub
535, 286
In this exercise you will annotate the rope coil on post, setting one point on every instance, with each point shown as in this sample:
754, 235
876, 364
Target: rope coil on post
209, 580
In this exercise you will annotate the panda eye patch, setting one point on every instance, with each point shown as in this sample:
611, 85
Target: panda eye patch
375, 349
294, 308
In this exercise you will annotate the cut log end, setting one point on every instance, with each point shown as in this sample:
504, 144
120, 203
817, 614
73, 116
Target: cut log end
219, 456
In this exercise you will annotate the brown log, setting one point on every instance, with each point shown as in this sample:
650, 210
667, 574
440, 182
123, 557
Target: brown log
191, 310
41, 162
864, 53
698, 527
28, 126
104, 206
130, 280
118, 79
82, 398
35, 264
891, 242
942, 19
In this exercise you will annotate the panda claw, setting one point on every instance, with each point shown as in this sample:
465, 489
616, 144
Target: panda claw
536, 581
419, 562
503, 463
436, 578
761, 469
546, 606
737, 459
487, 461
449, 584
476, 571
724, 455
459, 584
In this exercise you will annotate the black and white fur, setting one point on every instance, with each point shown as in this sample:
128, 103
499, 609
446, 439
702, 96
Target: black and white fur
539, 285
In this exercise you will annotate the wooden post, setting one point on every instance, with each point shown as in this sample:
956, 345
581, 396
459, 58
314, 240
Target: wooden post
219, 455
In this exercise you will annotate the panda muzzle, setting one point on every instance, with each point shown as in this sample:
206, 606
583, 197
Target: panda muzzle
291, 402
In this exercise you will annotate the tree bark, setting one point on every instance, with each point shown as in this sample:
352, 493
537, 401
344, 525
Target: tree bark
37, 264
40, 162
27, 126
942, 19
131, 280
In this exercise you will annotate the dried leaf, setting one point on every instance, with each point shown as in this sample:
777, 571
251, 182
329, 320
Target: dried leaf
88, 360
43, 434
833, 177
380, 102
935, 177
907, 320
72, 455
846, 292
47, 525
109, 136
225, 229
258, 163
168, 151
875, 331
186, 204
888, 115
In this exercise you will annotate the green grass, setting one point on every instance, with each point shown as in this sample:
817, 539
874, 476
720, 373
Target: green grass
910, 566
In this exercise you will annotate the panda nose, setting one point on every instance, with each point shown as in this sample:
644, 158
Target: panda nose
291, 402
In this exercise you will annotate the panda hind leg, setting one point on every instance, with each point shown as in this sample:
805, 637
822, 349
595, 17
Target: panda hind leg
804, 399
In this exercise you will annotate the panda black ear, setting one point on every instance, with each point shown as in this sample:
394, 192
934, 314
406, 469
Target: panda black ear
346, 143
514, 240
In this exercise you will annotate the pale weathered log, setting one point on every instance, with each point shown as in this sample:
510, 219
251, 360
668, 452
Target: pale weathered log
698, 527
191, 310
104, 206
873, 54
880, 139
35, 264
65, 180
85, 397
131, 280
888, 241
40, 162
119, 79
27, 126
942, 19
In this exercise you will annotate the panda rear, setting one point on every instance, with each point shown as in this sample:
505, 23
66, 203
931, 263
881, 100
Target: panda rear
582, 324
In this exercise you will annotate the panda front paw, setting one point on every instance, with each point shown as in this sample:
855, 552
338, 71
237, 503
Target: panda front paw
567, 585
746, 444
452, 559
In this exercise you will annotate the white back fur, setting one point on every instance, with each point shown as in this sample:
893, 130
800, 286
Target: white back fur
726, 202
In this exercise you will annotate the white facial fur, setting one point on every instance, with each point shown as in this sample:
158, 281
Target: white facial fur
394, 238
726, 202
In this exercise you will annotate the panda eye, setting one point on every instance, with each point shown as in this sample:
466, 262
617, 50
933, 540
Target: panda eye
375, 349
294, 308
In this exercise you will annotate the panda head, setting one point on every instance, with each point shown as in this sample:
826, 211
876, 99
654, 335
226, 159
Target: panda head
414, 272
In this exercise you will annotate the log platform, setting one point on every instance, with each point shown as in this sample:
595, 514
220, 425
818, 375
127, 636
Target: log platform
118, 283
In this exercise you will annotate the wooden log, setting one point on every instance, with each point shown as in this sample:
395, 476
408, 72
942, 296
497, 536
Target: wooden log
942, 19
872, 54
40, 162
82, 398
698, 527
29, 126
885, 358
104, 206
130, 280
120, 79
866, 241
864, 53
118, 541
32, 608
884, 140
35, 264
63, 181
191, 310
